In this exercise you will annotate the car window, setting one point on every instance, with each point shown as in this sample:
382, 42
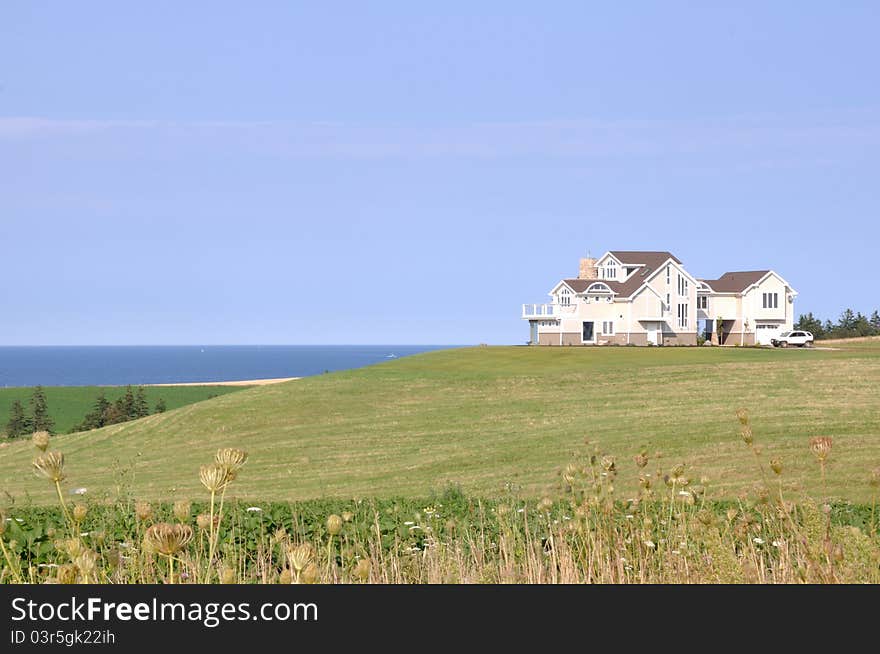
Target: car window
784, 334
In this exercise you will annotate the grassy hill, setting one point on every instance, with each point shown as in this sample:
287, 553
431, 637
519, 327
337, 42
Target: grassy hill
69, 404
489, 419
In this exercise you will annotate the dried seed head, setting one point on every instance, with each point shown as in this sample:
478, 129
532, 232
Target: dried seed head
334, 524
347, 516
67, 574
362, 569
51, 466
641, 460
545, 505
227, 575
40, 440
280, 535
747, 436
776, 466
731, 514
608, 463
706, 517
143, 511
168, 539
569, 475
874, 479
214, 476
820, 446
182, 510
79, 512
299, 556
742, 414
86, 562
232, 459
310, 574
203, 520
285, 577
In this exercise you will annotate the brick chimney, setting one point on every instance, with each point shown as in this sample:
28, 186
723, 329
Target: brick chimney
588, 269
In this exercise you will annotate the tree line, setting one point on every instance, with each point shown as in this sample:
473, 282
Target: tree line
130, 406
850, 325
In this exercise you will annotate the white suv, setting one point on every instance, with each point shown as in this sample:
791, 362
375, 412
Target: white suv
799, 338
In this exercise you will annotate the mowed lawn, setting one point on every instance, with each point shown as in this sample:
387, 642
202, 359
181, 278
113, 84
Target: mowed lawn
68, 405
496, 420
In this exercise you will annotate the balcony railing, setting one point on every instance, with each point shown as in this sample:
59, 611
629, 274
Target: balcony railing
539, 310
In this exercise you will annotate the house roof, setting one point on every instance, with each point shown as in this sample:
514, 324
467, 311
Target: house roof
650, 262
653, 259
735, 282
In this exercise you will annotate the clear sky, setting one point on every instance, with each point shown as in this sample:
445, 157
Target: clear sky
280, 172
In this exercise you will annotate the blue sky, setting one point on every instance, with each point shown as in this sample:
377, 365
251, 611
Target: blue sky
280, 172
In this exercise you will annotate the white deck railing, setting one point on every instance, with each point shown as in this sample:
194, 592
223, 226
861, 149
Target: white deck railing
538, 310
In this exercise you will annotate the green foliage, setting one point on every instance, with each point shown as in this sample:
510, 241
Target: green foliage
161, 407
19, 424
850, 325
40, 418
69, 405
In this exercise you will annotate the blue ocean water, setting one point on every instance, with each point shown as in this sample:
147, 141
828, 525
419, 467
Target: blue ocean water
113, 366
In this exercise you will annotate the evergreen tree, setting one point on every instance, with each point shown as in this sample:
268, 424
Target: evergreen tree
160, 406
127, 408
141, 408
19, 424
875, 322
40, 418
97, 417
811, 324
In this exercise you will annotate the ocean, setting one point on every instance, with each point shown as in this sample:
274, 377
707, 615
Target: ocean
122, 365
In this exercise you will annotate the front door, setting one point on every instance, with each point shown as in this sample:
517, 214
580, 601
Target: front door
589, 335
654, 333
533, 335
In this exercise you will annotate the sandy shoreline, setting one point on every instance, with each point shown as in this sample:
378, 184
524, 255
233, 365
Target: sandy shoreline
244, 382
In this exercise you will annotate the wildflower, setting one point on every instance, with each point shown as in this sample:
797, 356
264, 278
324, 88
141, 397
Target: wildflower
182, 510
51, 466
310, 574
742, 415
79, 512
362, 569
776, 466
232, 459
747, 436
759, 541
78, 491
86, 562
254, 509
641, 460
203, 520
649, 544
168, 539
545, 505
40, 440
143, 511
334, 524
299, 556
608, 463
820, 446
214, 476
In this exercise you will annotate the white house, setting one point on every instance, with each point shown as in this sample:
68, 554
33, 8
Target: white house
649, 298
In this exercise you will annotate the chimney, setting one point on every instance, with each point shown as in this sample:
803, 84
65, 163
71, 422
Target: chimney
588, 269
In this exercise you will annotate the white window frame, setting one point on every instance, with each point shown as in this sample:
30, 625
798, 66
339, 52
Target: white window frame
682, 315
608, 327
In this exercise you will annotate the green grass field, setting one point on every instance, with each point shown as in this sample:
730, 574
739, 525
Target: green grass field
494, 419
69, 404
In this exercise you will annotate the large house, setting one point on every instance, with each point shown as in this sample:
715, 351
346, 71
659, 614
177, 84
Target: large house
649, 298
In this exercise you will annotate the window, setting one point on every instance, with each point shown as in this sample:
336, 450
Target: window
610, 271
565, 297
608, 328
703, 302
770, 300
668, 273
682, 285
668, 302
683, 316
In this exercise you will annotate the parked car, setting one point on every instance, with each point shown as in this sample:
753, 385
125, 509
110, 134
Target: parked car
797, 337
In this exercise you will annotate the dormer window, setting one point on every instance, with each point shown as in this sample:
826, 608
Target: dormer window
564, 297
610, 270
